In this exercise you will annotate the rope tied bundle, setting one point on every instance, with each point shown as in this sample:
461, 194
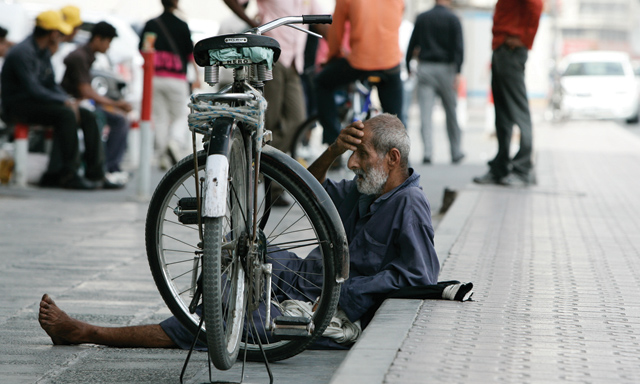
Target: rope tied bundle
252, 114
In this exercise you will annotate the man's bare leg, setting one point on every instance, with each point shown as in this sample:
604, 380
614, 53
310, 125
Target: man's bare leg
65, 330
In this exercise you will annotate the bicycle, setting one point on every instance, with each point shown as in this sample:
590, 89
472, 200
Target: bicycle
354, 103
212, 234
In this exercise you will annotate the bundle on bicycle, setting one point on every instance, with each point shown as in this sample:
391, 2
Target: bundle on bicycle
226, 262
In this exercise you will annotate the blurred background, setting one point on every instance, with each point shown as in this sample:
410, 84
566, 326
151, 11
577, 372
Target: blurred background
567, 26
561, 85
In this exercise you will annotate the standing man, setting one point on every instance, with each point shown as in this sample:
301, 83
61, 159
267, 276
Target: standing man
284, 93
77, 82
515, 23
375, 50
437, 36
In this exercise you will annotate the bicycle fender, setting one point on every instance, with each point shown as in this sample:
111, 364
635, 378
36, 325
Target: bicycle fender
217, 170
215, 186
340, 243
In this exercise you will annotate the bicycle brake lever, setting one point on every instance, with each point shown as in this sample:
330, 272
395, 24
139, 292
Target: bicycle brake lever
304, 30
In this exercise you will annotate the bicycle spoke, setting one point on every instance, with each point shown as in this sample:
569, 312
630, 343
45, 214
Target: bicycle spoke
302, 276
310, 242
179, 261
192, 227
180, 241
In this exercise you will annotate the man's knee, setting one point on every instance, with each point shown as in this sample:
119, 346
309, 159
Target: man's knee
65, 119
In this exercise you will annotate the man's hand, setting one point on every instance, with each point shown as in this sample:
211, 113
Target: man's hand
73, 104
125, 106
513, 42
456, 82
348, 140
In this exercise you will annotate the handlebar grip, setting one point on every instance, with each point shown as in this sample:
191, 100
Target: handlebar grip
317, 19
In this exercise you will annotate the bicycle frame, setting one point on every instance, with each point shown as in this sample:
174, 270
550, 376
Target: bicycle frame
240, 102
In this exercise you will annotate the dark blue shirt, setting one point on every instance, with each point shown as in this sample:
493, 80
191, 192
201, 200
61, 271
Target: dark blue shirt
438, 34
28, 77
390, 242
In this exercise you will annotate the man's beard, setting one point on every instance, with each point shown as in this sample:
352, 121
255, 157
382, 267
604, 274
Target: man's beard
371, 182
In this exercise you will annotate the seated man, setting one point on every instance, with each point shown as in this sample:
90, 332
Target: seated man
31, 95
388, 225
77, 82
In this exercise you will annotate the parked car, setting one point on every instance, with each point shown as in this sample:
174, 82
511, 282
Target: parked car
596, 85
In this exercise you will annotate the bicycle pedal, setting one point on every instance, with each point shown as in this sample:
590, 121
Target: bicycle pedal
188, 218
292, 320
188, 203
187, 210
292, 328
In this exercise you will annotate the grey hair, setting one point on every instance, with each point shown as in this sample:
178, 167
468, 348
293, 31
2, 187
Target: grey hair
388, 132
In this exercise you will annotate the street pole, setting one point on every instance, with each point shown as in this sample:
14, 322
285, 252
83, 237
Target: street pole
146, 133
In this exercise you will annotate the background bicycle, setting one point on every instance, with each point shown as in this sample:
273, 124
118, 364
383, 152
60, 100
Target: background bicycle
354, 103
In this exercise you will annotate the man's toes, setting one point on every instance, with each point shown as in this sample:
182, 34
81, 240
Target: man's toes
47, 299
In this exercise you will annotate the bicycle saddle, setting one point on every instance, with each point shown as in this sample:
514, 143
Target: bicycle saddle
240, 40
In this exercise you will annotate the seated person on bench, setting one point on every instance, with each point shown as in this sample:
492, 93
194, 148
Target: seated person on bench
387, 220
30, 95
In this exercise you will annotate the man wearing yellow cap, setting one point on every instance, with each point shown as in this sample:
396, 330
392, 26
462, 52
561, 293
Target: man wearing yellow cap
31, 95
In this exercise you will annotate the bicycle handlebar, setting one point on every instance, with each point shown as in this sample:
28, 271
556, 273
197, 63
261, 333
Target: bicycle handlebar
304, 19
317, 19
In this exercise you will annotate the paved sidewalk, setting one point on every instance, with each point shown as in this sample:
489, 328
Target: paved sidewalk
556, 270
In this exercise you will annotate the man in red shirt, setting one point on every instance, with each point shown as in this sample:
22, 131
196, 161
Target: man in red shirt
515, 23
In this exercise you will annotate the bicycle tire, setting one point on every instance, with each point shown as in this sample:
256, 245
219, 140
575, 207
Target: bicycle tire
223, 281
172, 247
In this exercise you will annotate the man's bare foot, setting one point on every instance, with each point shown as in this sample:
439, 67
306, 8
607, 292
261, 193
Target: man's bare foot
62, 329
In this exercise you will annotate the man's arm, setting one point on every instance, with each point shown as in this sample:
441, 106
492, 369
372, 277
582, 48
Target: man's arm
25, 68
336, 30
78, 72
533, 10
411, 48
347, 140
458, 52
239, 10
86, 91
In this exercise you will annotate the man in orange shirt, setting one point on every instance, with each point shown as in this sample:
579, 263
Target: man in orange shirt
515, 23
375, 50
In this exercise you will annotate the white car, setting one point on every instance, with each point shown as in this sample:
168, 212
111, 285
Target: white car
597, 85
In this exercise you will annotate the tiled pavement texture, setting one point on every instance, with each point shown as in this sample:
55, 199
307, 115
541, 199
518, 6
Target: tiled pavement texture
556, 269
86, 249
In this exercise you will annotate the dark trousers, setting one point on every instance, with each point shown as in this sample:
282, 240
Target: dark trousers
65, 129
116, 143
511, 108
64, 160
338, 73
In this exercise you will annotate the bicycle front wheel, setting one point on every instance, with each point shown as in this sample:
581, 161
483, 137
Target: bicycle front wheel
175, 252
